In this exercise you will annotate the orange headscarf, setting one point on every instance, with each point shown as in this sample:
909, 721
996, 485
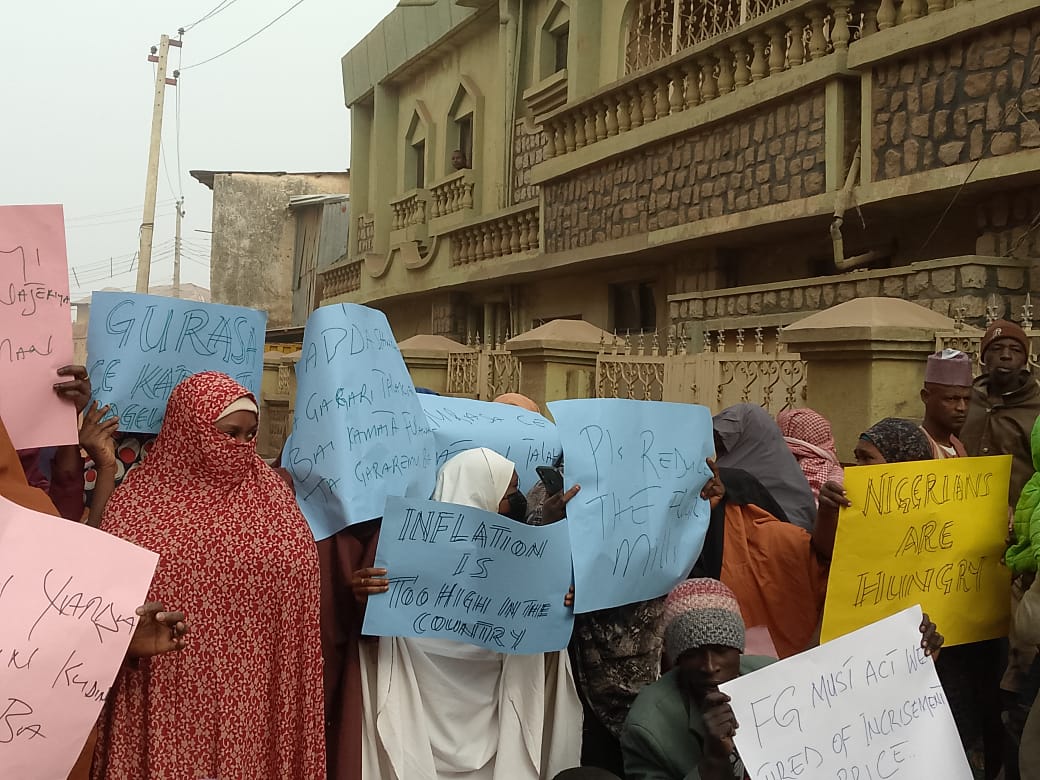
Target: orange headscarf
13, 484
515, 399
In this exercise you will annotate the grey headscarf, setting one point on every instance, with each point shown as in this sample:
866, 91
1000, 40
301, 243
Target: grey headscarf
753, 442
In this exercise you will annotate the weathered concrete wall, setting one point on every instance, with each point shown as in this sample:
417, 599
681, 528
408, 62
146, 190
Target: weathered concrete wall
958, 103
251, 261
770, 156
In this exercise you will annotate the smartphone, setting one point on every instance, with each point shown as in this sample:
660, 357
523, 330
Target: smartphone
551, 478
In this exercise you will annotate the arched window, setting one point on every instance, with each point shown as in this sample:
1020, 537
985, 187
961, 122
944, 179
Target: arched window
657, 29
465, 121
554, 40
418, 142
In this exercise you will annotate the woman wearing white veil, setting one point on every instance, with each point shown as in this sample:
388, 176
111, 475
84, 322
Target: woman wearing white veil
440, 710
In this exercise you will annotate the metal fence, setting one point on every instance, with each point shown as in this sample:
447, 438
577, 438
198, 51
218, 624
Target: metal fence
652, 368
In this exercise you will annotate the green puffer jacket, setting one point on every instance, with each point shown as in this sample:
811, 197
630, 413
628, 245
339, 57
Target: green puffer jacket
1023, 555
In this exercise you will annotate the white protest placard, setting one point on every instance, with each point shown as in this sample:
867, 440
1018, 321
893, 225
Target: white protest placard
866, 706
68, 600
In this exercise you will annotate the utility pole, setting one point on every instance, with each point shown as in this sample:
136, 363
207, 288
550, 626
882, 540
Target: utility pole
152, 180
177, 251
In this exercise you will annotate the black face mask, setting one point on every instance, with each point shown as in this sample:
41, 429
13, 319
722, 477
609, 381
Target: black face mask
517, 506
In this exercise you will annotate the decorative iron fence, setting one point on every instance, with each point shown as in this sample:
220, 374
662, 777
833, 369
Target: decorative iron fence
969, 340
484, 373
716, 377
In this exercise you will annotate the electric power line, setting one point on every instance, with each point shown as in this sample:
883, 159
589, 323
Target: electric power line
223, 6
123, 221
115, 212
246, 40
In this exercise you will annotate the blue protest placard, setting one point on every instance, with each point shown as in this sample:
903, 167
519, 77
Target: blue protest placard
140, 347
526, 438
638, 524
471, 576
359, 434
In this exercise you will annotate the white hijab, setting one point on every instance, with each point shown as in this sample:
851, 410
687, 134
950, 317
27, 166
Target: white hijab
477, 478
436, 709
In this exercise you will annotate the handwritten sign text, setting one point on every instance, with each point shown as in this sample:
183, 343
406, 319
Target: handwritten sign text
929, 532
68, 595
638, 524
867, 706
471, 576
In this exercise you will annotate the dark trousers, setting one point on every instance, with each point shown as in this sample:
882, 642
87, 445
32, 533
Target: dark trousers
599, 747
970, 675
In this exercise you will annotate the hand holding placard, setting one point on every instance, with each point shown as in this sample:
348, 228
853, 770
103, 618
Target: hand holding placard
359, 434
638, 524
68, 608
140, 347
929, 532
35, 326
867, 705
467, 575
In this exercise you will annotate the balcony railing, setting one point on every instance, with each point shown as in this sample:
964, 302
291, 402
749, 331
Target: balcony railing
452, 195
366, 229
779, 40
409, 210
502, 235
341, 279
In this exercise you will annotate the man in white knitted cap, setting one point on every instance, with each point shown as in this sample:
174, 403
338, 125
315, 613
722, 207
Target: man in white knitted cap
946, 394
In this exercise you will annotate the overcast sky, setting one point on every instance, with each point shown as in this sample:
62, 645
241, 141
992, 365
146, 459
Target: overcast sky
75, 114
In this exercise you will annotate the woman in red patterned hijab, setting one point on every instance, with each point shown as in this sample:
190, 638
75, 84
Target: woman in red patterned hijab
245, 699
809, 437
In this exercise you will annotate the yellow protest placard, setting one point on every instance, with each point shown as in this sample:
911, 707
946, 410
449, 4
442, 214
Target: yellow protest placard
930, 533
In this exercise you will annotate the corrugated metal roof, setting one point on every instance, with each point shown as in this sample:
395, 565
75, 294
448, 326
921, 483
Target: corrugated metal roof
300, 201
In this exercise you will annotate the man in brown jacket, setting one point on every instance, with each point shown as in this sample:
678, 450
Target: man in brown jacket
1005, 402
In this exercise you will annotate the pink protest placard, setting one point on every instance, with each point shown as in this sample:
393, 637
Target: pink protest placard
35, 326
68, 595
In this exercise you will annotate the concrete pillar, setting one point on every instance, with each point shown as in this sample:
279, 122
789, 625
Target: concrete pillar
558, 360
360, 167
866, 361
427, 360
384, 147
583, 48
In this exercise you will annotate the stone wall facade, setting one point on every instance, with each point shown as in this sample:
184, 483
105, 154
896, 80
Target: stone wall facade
962, 291
528, 151
770, 156
1009, 224
976, 97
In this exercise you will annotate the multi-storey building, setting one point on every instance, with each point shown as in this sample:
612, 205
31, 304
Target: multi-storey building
676, 164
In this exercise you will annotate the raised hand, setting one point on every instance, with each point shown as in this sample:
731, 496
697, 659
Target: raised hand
554, 508
369, 582
158, 631
77, 389
97, 438
713, 491
720, 723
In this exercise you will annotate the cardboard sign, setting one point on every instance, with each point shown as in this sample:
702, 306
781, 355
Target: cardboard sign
526, 438
68, 595
928, 532
359, 434
35, 326
638, 524
140, 347
868, 705
471, 576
